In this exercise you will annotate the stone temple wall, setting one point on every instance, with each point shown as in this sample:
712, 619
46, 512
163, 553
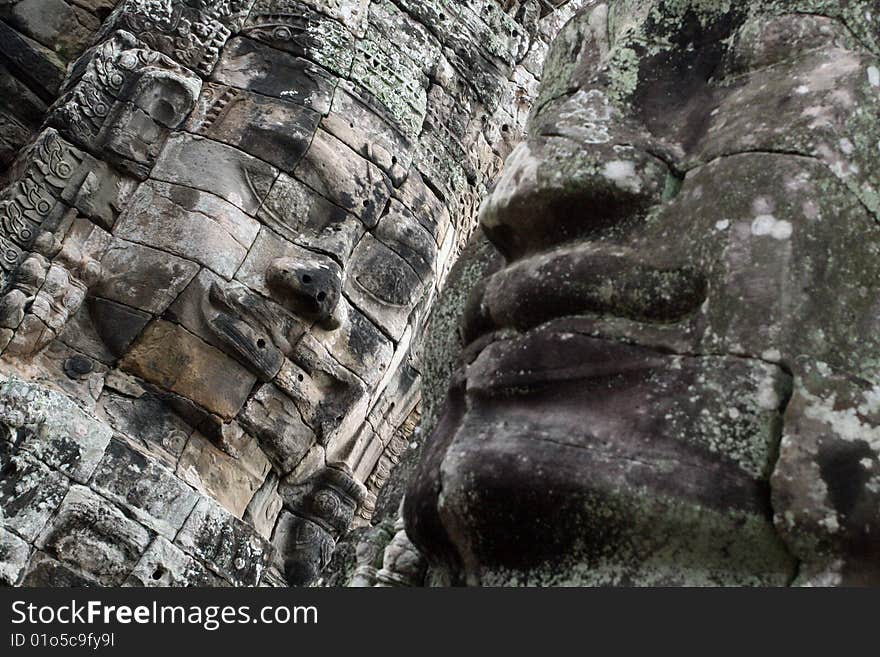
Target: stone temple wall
38, 38
222, 228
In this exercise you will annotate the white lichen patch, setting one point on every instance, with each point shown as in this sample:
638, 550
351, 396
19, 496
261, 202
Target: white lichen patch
586, 117
768, 396
623, 174
795, 184
772, 355
871, 403
811, 210
847, 423
763, 205
768, 225
830, 523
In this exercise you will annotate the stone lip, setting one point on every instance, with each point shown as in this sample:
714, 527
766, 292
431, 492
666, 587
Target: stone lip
566, 448
236, 327
587, 278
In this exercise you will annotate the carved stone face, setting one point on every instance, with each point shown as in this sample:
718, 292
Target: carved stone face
262, 248
222, 243
261, 277
674, 378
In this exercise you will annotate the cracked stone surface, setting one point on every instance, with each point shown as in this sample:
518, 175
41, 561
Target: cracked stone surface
222, 228
671, 376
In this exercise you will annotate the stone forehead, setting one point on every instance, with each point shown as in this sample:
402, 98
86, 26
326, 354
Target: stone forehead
627, 34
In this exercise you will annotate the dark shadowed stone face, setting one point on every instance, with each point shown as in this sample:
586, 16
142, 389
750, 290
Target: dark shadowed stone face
674, 380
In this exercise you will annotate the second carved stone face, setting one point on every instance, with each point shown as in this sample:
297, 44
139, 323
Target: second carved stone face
673, 380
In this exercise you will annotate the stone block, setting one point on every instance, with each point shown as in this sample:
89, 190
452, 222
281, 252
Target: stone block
229, 546
64, 28
175, 359
230, 481
277, 131
278, 424
402, 232
166, 565
264, 508
189, 223
56, 431
41, 68
295, 28
14, 556
424, 205
150, 492
357, 344
382, 285
363, 127
116, 325
304, 217
143, 277
254, 66
44, 571
341, 176
29, 495
147, 419
241, 179
94, 537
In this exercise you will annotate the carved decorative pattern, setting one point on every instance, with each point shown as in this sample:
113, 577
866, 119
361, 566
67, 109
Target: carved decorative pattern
190, 37
387, 462
213, 102
29, 201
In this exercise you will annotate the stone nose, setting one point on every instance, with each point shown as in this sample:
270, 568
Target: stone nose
309, 287
560, 189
